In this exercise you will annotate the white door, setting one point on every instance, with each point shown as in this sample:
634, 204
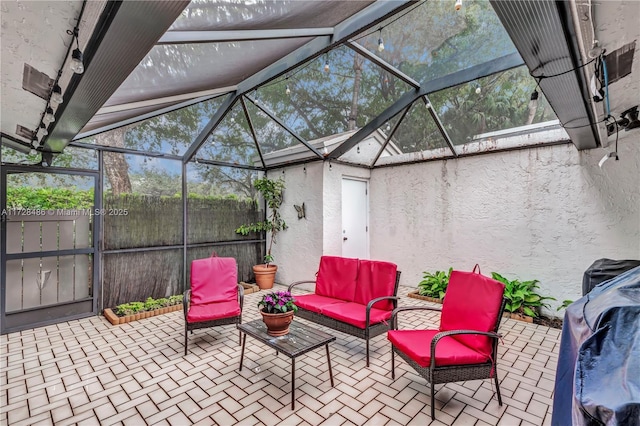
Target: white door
355, 219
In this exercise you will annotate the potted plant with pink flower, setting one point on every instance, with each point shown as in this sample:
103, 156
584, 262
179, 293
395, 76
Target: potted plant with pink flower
277, 309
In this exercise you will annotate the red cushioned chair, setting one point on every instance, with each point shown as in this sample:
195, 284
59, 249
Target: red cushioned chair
465, 345
215, 297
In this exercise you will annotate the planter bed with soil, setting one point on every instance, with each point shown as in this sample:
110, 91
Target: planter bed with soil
416, 295
117, 320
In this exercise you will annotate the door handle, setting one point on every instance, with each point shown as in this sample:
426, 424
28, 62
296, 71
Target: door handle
344, 238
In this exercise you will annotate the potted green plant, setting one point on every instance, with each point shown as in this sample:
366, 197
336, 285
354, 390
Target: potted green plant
523, 302
272, 190
277, 309
433, 286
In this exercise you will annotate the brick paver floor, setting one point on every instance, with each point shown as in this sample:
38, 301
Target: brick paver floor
88, 372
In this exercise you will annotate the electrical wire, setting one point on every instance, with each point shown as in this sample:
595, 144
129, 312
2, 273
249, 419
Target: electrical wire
606, 85
605, 120
540, 77
74, 34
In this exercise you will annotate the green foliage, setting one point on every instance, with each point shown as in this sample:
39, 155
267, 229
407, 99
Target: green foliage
175, 300
25, 197
150, 304
521, 296
434, 284
565, 304
277, 302
273, 193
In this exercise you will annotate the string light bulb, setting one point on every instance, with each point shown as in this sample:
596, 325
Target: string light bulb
478, 90
380, 42
388, 126
533, 103
48, 116
77, 58
458, 5
43, 130
33, 152
56, 95
326, 66
288, 90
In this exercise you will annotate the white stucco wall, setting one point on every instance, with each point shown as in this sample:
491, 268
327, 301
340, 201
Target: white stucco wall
545, 213
298, 249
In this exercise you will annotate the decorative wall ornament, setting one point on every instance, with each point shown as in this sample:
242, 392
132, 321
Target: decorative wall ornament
300, 210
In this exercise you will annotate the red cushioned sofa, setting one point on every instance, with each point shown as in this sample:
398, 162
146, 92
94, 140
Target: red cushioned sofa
354, 296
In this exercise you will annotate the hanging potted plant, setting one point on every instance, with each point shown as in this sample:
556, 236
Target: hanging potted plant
272, 191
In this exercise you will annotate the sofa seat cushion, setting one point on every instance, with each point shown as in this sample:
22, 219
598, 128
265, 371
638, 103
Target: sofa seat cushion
315, 303
213, 311
355, 314
449, 351
336, 277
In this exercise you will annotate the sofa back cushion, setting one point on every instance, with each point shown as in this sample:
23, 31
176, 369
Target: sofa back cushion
375, 279
214, 279
337, 277
472, 302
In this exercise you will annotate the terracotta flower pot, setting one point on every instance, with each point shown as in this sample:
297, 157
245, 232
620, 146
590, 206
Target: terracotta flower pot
265, 275
277, 324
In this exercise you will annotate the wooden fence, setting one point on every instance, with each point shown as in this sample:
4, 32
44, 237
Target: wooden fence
148, 221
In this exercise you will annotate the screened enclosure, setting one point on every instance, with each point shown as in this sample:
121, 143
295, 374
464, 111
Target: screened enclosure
228, 91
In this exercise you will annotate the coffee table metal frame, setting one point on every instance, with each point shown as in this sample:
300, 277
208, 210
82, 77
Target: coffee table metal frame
300, 340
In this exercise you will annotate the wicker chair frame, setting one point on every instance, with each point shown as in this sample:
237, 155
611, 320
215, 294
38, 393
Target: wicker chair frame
451, 373
190, 326
370, 330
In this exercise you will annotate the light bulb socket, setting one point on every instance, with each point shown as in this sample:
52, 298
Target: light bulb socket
56, 95
49, 117
43, 130
534, 95
77, 58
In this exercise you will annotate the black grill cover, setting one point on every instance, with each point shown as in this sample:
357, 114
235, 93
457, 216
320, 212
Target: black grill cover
598, 374
604, 269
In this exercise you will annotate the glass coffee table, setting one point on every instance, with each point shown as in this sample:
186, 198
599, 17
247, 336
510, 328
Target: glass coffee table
300, 340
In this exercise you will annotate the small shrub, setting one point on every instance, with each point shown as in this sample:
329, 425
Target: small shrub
434, 285
124, 310
175, 300
163, 302
137, 307
521, 296
150, 304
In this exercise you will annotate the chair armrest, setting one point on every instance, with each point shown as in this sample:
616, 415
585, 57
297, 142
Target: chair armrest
443, 334
373, 302
298, 283
394, 319
186, 302
240, 295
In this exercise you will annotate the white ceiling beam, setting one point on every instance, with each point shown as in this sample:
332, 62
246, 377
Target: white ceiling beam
165, 100
183, 37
